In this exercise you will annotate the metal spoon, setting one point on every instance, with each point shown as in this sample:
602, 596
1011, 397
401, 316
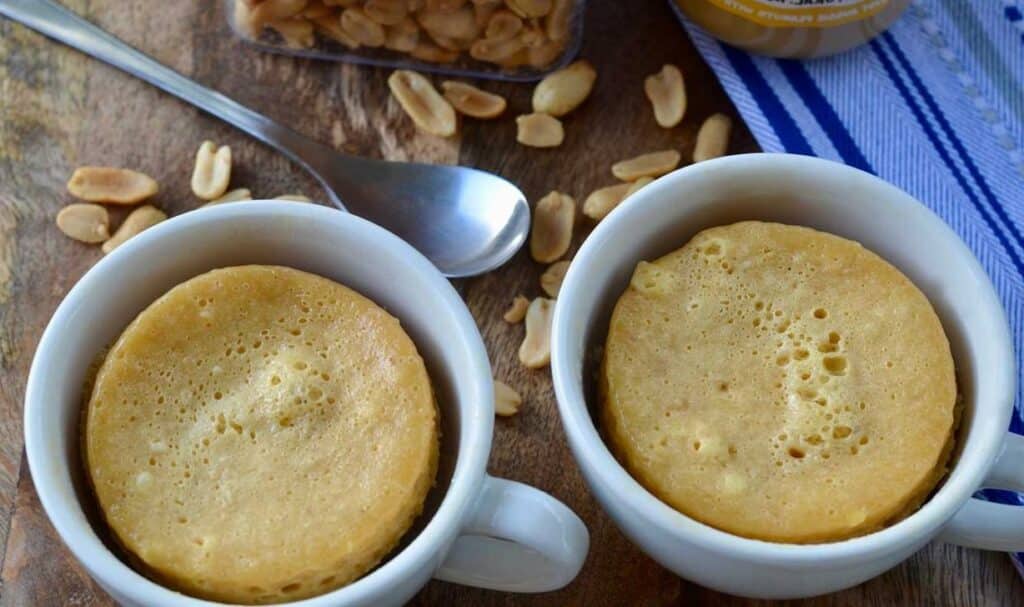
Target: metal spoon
464, 220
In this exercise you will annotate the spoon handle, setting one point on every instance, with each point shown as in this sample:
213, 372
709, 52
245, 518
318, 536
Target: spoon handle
55, 21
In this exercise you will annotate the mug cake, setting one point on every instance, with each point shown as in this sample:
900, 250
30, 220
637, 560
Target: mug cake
779, 383
260, 434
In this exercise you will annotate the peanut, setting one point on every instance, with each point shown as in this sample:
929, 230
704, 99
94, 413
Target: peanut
653, 164
84, 222
553, 220
551, 279
330, 27
484, 9
386, 12
426, 51
274, 10
471, 101
293, 197
667, 94
637, 185
495, 51
212, 172
138, 221
111, 185
529, 8
316, 9
506, 400
535, 351
556, 24
712, 138
602, 201
361, 28
296, 33
503, 25
539, 131
517, 310
403, 36
456, 25
237, 195
562, 91
421, 101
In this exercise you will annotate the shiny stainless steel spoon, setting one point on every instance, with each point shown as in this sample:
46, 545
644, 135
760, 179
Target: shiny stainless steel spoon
464, 220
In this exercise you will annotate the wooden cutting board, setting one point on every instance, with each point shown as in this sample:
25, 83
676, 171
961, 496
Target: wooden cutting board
59, 110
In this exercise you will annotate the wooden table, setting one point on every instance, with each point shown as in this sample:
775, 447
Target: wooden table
59, 110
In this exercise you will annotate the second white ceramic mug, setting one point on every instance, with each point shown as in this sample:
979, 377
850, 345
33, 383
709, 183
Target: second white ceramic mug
475, 529
832, 197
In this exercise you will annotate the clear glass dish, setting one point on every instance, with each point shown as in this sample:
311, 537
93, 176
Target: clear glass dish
523, 47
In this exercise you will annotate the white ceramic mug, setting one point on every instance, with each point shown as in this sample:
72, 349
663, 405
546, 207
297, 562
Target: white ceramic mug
476, 530
832, 197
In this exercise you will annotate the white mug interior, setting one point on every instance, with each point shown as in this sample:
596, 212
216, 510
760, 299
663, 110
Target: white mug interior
308, 237
802, 191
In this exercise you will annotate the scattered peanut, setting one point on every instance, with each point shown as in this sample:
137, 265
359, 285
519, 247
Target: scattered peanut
506, 400
712, 138
84, 222
212, 172
139, 220
653, 164
517, 310
637, 185
535, 351
421, 101
667, 94
111, 185
294, 197
602, 201
553, 220
237, 195
562, 91
539, 131
551, 279
507, 33
471, 101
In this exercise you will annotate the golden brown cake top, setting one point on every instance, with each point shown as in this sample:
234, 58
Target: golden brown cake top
779, 383
261, 434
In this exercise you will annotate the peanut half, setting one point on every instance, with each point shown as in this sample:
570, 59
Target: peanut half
84, 222
712, 138
212, 172
654, 164
535, 352
562, 91
553, 220
111, 185
506, 400
294, 197
139, 220
636, 185
361, 28
236, 195
539, 131
667, 94
602, 201
529, 8
517, 310
296, 33
551, 279
471, 101
421, 101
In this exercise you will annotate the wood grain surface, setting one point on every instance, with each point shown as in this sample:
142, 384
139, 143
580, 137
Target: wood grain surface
59, 110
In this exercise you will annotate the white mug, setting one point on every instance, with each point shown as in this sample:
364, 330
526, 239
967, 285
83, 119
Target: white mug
835, 198
476, 530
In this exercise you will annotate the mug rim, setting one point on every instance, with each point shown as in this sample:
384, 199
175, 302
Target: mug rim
475, 431
595, 458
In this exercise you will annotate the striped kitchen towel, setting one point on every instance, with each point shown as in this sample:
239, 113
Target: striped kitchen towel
935, 105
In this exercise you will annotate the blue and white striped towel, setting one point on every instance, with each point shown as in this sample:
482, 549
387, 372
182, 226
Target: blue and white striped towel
935, 105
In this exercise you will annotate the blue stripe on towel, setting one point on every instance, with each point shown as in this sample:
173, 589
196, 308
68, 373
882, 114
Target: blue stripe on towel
824, 113
958, 146
897, 80
793, 141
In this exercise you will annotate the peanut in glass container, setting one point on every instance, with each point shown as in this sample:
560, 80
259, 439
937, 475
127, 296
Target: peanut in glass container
793, 28
518, 40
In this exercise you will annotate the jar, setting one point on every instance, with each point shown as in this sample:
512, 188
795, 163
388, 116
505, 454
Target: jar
516, 40
793, 28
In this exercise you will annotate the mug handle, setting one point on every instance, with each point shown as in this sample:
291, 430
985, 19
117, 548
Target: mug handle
517, 539
987, 525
